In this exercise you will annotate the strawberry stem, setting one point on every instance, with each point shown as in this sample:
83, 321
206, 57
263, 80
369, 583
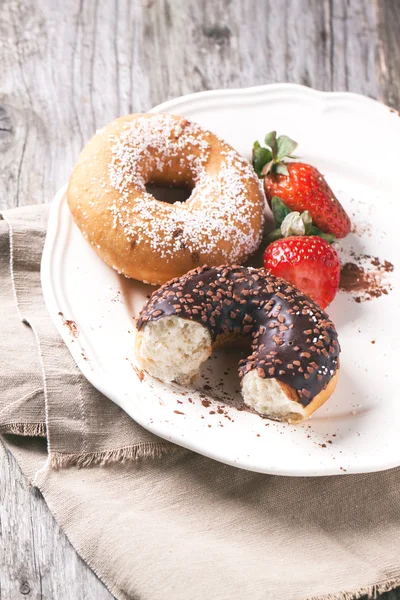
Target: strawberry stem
269, 158
286, 229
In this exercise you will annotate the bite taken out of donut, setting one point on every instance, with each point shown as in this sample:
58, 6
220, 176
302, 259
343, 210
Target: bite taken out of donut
153, 241
293, 365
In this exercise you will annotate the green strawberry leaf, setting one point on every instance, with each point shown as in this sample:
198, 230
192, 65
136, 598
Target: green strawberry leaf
261, 157
281, 169
267, 159
274, 235
267, 168
328, 237
285, 147
271, 141
279, 210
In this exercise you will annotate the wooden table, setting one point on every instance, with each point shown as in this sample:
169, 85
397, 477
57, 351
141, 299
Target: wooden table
68, 67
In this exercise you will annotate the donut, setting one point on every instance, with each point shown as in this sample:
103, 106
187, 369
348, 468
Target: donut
153, 241
294, 362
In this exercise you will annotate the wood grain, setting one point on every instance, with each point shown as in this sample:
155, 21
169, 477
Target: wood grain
388, 15
68, 67
36, 559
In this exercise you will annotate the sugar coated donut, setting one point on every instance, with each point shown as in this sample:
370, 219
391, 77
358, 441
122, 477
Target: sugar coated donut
294, 364
154, 241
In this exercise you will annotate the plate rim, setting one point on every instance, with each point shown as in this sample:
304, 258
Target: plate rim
272, 88
110, 389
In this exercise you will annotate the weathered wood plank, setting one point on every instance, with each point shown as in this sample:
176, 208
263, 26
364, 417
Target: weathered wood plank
388, 12
70, 66
354, 48
36, 559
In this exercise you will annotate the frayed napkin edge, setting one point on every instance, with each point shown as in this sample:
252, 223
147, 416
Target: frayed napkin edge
24, 429
102, 458
370, 591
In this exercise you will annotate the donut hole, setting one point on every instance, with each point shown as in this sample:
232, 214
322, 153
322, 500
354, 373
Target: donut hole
169, 193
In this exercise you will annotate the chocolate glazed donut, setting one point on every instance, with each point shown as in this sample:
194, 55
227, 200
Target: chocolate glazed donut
294, 363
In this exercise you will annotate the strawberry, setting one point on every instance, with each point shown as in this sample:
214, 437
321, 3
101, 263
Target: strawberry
308, 262
304, 188
300, 185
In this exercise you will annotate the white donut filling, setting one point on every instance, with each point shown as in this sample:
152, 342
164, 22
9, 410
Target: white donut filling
173, 349
267, 398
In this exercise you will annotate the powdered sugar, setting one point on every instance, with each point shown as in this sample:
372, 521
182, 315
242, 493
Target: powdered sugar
216, 217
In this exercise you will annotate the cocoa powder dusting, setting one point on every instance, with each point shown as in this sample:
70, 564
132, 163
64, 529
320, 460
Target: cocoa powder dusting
71, 325
366, 278
139, 373
361, 229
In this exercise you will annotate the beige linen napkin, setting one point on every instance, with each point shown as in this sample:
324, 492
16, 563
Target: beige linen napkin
173, 525
42, 390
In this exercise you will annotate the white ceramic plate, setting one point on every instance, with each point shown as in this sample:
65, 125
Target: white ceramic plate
354, 141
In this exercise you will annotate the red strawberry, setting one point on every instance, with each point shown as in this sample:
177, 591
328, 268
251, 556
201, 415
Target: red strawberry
304, 188
309, 263
299, 185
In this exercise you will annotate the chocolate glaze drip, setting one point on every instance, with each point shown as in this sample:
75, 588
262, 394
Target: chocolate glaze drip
293, 340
